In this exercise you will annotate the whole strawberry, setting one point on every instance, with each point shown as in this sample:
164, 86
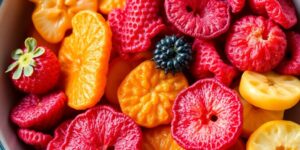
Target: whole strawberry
35, 69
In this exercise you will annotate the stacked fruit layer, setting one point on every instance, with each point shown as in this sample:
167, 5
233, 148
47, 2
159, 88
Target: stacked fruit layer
158, 75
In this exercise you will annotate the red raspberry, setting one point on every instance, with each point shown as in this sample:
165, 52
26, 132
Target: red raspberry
256, 44
291, 66
207, 63
135, 26
35, 69
37, 139
39, 113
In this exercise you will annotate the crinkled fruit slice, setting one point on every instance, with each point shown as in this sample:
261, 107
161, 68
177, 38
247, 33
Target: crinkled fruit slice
135, 26
270, 91
102, 127
38, 140
207, 115
279, 135
147, 94
200, 19
291, 64
207, 63
59, 136
84, 58
236, 5
282, 12
258, 6
39, 112
256, 44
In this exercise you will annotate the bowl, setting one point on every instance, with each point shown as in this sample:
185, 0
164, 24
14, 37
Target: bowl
15, 21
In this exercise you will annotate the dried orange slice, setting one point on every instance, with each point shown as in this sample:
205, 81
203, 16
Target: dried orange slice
52, 18
147, 94
159, 138
84, 58
106, 6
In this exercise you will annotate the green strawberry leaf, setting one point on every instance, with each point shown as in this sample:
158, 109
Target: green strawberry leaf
11, 66
30, 44
17, 53
17, 74
28, 71
38, 52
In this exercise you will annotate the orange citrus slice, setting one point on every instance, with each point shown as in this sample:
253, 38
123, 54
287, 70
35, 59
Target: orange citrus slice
52, 18
106, 6
84, 58
147, 94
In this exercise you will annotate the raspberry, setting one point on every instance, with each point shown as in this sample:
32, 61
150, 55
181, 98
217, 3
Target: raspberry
135, 26
208, 63
37, 139
255, 44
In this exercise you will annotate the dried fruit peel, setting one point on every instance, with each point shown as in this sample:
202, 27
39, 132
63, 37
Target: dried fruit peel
147, 94
84, 58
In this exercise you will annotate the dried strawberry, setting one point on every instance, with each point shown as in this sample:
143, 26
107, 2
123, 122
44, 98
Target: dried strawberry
236, 5
35, 69
59, 136
102, 127
135, 26
37, 139
201, 19
256, 44
258, 6
207, 115
207, 63
39, 112
282, 12
291, 66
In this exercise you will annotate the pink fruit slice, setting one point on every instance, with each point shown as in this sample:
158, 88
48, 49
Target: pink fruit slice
37, 139
102, 127
258, 6
40, 113
236, 5
207, 116
282, 12
59, 136
201, 19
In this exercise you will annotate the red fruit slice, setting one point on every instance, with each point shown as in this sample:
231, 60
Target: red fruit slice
282, 12
256, 44
236, 5
39, 112
207, 116
207, 63
102, 127
59, 136
37, 139
291, 66
201, 19
258, 6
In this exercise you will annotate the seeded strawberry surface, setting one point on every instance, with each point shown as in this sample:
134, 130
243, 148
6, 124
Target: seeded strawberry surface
37, 139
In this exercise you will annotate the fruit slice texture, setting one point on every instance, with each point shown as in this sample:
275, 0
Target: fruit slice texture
106, 6
84, 58
39, 112
254, 117
159, 138
100, 128
256, 44
207, 115
282, 12
147, 94
37, 139
277, 135
236, 5
135, 26
59, 136
258, 7
270, 91
200, 19
52, 18
207, 63
291, 66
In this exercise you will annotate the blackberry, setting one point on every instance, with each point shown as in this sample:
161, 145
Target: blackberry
172, 54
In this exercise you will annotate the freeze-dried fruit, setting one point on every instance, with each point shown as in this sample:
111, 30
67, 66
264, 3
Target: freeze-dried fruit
38, 140
59, 136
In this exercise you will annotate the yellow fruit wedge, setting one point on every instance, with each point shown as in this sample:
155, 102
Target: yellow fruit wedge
270, 91
275, 135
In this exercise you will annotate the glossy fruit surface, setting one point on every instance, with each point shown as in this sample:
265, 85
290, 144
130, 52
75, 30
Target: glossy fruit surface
270, 91
147, 94
279, 134
84, 58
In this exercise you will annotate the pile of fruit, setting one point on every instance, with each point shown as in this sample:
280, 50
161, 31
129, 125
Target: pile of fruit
158, 75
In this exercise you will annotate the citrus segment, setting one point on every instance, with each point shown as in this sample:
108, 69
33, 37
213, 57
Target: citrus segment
276, 135
106, 6
159, 138
270, 91
84, 58
52, 18
147, 94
